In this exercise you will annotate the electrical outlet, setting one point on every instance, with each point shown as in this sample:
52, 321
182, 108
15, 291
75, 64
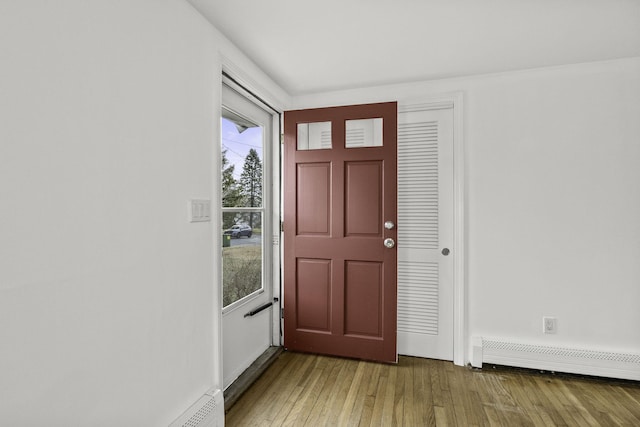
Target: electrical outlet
549, 325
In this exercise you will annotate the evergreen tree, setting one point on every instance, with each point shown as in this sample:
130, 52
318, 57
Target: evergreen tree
230, 191
251, 183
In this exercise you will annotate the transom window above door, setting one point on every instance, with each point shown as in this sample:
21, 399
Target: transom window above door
359, 133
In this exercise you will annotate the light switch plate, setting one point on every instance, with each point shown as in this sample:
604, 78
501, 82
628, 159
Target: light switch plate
199, 210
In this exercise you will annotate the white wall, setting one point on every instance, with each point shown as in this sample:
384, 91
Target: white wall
108, 296
553, 199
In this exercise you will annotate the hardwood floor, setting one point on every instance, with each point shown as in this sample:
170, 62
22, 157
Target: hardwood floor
309, 390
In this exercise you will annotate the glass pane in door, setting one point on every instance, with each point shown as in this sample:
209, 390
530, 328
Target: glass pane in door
363, 133
242, 187
314, 136
241, 255
241, 163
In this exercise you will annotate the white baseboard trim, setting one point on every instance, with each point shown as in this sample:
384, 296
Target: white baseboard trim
508, 352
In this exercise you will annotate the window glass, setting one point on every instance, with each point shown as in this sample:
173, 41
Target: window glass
363, 133
242, 255
242, 187
314, 136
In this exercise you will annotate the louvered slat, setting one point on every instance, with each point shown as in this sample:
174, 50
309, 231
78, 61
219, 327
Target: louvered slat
418, 185
354, 138
325, 139
418, 297
418, 226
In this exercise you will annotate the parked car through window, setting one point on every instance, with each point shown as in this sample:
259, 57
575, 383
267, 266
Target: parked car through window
239, 230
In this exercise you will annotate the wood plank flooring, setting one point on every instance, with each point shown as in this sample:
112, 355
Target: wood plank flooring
310, 390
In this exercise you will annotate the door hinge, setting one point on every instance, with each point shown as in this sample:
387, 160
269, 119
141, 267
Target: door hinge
282, 312
282, 226
282, 138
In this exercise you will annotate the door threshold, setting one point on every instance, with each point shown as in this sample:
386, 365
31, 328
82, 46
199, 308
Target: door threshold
250, 375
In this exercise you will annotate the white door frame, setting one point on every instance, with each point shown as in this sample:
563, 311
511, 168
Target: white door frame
436, 102
242, 80
460, 354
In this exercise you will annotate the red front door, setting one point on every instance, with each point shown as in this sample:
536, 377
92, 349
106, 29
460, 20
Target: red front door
339, 211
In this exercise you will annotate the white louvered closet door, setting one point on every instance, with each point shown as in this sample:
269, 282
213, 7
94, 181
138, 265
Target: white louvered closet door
425, 229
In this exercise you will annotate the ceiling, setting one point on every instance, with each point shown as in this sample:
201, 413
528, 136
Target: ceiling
314, 46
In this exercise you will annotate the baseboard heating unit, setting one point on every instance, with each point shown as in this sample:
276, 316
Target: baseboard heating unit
555, 358
208, 411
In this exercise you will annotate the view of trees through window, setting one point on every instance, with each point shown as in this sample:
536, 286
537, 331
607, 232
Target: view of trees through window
242, 187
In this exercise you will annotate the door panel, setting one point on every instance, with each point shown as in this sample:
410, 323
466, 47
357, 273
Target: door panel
340, 188
363, 199
313, 291
363, 298
314, 198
